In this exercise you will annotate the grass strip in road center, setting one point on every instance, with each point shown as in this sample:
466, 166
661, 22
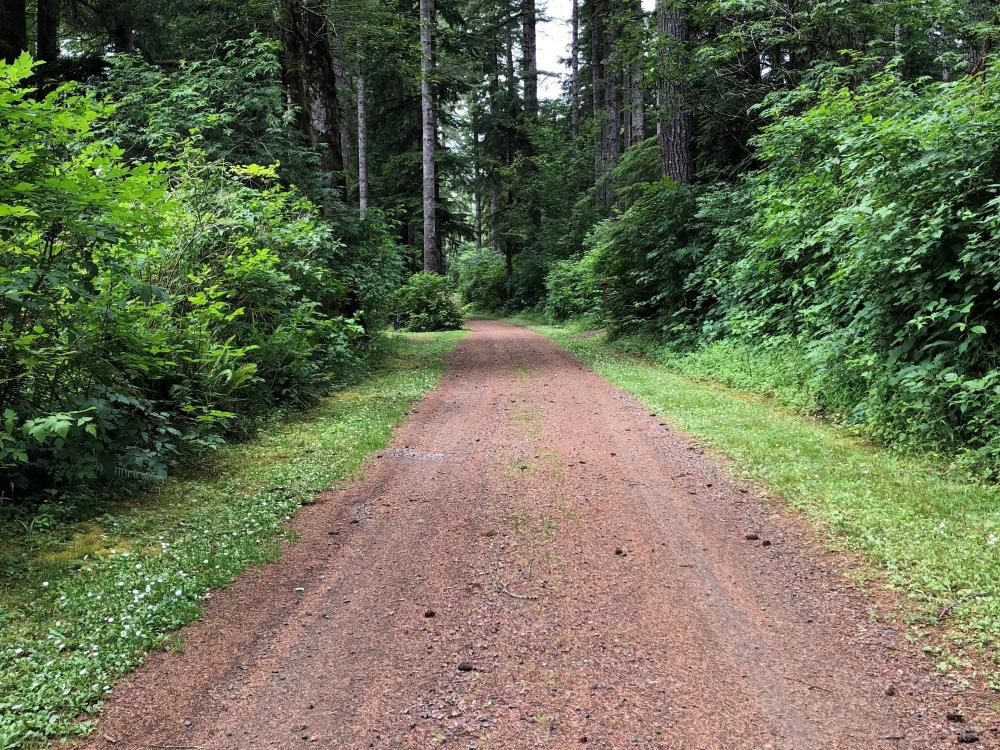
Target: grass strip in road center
936, 536
80, 605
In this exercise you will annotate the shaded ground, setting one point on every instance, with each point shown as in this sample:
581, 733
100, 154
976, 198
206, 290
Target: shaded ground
538, 562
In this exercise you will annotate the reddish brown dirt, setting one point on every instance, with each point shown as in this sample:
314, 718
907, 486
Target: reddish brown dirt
536, 561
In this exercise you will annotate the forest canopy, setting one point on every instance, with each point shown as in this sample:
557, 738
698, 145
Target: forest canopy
208, 212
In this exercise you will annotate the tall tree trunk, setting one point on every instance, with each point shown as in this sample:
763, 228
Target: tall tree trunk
635, 122
312, 82
494, 209
611, 142
122, 38
477, 232
529, 57
613, 109
346, 125
574, 63
432, 254
511, 81
13, 29
362, 115
489, 140
477, 177
437, 201
597, 90
676, 127
48, 30
637, 104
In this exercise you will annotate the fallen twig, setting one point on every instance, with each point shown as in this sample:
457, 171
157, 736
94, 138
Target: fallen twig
508, 592
960, 603
807, 684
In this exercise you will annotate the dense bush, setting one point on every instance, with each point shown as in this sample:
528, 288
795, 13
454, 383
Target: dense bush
234, 102
573, 289
871, 237
645, 256
149, 311
425, 303
482, 279
864, 252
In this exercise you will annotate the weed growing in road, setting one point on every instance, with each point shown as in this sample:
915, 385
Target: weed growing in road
528, 420
81, 605
935, 534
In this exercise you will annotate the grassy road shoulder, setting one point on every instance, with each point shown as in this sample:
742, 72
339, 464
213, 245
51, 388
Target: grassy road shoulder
81, 605
934, 535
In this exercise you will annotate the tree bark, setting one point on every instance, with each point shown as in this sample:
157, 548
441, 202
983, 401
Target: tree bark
494, 210
613, 109
676, 127
635, 123
478, 225
597, 89
47, 27
312, 83
574, 63
511, 80
611, 141
477, 181
345, 126
362, 115
529, 57
13, 29
122, 37
637, 103
432, 255
489, 140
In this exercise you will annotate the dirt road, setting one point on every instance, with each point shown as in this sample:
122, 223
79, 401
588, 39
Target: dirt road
538, 562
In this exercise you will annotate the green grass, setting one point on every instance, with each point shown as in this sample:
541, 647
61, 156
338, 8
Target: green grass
934, 534
80, 605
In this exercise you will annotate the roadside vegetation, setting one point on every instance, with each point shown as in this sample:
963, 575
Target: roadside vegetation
156, 306
81, 603
934, 532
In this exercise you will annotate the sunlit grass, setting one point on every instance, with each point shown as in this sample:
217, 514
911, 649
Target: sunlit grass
935, 535
81, 604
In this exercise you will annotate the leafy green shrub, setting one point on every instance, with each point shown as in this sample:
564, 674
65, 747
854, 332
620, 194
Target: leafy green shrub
68, 209
234, 102
150, 312
865, 249
871, 236
645, 256
573, 289
425, 303
527, 280
482, 279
